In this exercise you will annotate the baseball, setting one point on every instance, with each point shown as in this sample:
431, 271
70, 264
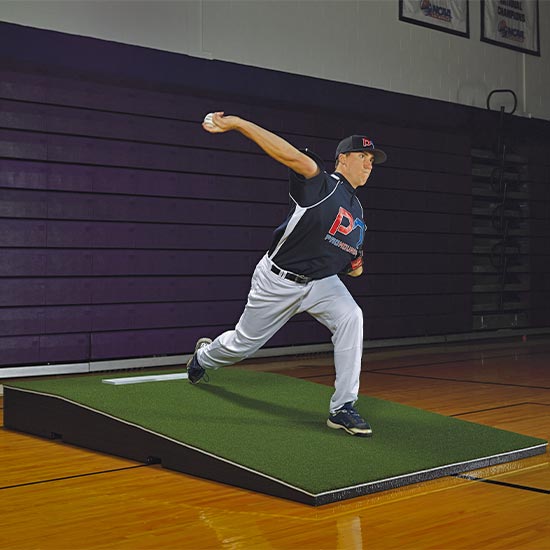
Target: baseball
208, 120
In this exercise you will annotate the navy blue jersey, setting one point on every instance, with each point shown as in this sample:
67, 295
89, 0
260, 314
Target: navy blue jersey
324, 229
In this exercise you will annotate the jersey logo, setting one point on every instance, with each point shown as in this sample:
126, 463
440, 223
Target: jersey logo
345, 223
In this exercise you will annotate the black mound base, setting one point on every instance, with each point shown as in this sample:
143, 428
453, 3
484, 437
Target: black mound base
54, 417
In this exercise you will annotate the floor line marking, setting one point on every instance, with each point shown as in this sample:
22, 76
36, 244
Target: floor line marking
462, 360
500, 407
503, 484
74, 477
461, 380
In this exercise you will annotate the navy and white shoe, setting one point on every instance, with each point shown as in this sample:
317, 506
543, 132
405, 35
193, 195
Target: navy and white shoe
195, 372
348, 419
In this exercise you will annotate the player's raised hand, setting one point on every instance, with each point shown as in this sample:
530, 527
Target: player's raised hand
216, 123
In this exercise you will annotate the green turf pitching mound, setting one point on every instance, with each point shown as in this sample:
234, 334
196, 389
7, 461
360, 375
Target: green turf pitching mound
269, 426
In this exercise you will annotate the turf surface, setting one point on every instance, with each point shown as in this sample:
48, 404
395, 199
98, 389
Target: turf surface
275, 425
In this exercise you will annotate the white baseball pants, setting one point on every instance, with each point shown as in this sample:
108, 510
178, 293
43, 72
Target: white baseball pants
272, 301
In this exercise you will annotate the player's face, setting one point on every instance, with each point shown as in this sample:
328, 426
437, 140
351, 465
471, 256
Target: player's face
358, 167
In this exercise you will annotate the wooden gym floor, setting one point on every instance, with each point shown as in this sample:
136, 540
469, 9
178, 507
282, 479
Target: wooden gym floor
54, 496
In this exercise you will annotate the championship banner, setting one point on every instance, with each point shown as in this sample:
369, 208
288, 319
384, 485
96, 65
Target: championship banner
512, 24
443, 15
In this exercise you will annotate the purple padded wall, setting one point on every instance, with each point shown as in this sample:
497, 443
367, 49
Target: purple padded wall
127, 231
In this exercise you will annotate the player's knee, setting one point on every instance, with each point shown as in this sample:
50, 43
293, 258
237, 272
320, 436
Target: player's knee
356, 315
351, 316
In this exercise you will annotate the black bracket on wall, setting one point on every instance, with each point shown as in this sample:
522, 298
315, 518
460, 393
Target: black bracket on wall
501, 222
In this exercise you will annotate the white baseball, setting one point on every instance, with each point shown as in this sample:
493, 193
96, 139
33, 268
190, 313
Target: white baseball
208, 120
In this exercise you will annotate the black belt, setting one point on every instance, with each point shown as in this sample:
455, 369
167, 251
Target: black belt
302, 279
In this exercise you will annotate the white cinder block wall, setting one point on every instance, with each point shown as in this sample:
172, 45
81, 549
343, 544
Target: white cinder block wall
360, 41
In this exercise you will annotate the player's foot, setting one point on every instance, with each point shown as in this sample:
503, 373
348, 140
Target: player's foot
194, 371
348, 419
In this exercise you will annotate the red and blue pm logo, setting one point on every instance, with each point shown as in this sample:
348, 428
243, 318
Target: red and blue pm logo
345, 223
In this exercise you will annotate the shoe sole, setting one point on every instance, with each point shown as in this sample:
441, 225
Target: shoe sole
358, 432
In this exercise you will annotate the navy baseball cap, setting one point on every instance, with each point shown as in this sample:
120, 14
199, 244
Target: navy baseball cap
355, 144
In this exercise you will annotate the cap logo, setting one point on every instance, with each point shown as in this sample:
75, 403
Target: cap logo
367, 142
